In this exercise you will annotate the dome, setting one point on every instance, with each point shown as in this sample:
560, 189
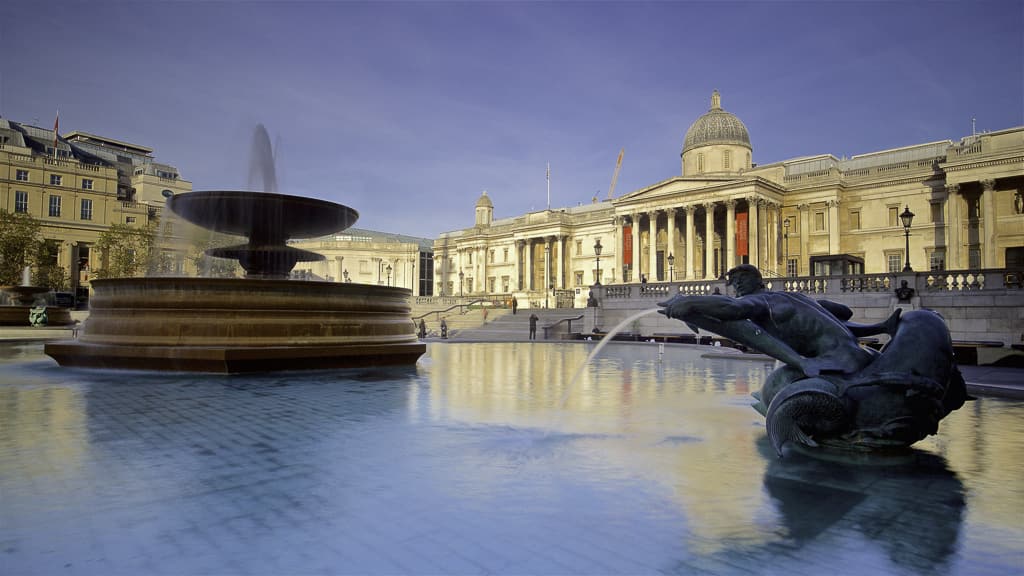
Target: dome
716, 126
484, 201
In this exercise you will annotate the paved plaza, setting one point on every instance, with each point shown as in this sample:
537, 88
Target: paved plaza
483, 459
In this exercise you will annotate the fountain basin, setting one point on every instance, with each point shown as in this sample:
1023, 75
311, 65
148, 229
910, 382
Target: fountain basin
239, 325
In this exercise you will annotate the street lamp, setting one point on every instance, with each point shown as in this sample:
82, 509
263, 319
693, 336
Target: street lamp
907, 217
344, 274
671, 267
785, 235
597, 252
461, 276
388, 270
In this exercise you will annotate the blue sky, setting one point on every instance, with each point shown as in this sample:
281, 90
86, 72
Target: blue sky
406, 111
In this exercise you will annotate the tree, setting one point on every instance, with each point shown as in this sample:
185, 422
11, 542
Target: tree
47, 272
19, 244
127, 251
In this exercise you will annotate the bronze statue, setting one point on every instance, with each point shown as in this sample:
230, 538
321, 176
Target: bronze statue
832, 390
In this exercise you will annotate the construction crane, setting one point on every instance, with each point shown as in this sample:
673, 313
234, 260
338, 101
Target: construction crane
615, 175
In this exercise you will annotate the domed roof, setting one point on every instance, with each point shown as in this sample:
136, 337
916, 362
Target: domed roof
716, 126
484, 201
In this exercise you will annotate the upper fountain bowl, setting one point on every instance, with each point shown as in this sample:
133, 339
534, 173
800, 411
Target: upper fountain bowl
264, 217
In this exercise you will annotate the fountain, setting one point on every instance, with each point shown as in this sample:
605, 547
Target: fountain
262, 322
23, 299
833, 393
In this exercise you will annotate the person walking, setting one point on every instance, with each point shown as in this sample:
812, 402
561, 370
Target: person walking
444, 328
533, 326
515, 305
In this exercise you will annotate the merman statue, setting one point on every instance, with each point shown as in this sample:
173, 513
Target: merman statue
832, 391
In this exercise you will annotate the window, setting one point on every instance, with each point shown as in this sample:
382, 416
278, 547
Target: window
86, 184
579, 247
506, 258
855, 220
20, 201
579, 278
504, 281
470, 256
86, 213
490, 283
936, 208
700, 162
894, 261
894, 216
55, 179
727, 159
129, 220
791, 265
819, 221
937, 260
974, 257
55, 206
490, 256
21, 175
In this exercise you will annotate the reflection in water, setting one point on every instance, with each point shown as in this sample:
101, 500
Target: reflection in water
913, 511
482, 451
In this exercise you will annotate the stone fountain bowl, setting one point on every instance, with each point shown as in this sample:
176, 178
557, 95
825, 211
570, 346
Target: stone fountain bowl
24, 295
241, 325
263, 217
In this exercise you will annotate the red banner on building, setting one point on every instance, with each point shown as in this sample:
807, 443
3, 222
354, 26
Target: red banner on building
741, 233
627, 245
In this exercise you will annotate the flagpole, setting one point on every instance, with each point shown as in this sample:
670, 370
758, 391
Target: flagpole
548, 177
56, 129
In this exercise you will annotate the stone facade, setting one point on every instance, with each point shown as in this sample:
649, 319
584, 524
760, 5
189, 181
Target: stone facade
724, 210
77, 186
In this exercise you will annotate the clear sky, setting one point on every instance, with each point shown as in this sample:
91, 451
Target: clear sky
406, 111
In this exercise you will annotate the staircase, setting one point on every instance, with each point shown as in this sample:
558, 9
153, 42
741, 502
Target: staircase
508, 327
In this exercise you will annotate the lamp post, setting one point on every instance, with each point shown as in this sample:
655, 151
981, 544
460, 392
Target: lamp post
671, 267
461, 276
388, 270
597, 252
907, 217
785, 236
344, 274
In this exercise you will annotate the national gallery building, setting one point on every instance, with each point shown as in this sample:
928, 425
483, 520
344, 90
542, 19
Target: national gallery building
814, 215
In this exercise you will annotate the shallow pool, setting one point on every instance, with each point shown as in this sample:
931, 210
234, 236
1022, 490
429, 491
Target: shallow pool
483, 459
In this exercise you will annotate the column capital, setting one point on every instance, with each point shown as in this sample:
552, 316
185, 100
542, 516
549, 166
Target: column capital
988, 184
689, 209
803, 207
730, 203
952, 189
832, 202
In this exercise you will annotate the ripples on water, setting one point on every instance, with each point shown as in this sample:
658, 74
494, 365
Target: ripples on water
656, 460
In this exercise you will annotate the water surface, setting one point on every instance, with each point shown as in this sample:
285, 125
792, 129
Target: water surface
483, 459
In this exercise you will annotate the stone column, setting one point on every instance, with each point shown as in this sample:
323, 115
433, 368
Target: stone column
516, 266
340, 260
773, 231
833, 226
690, 233
804, 263
560, 263
670, 221
709, 240
753, 231
528, 275
954, 259
988, 212
730, 234
652, 247
549, 253
617, 223
636, 246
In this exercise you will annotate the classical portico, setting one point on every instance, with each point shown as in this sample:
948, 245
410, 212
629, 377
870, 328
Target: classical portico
705, 237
